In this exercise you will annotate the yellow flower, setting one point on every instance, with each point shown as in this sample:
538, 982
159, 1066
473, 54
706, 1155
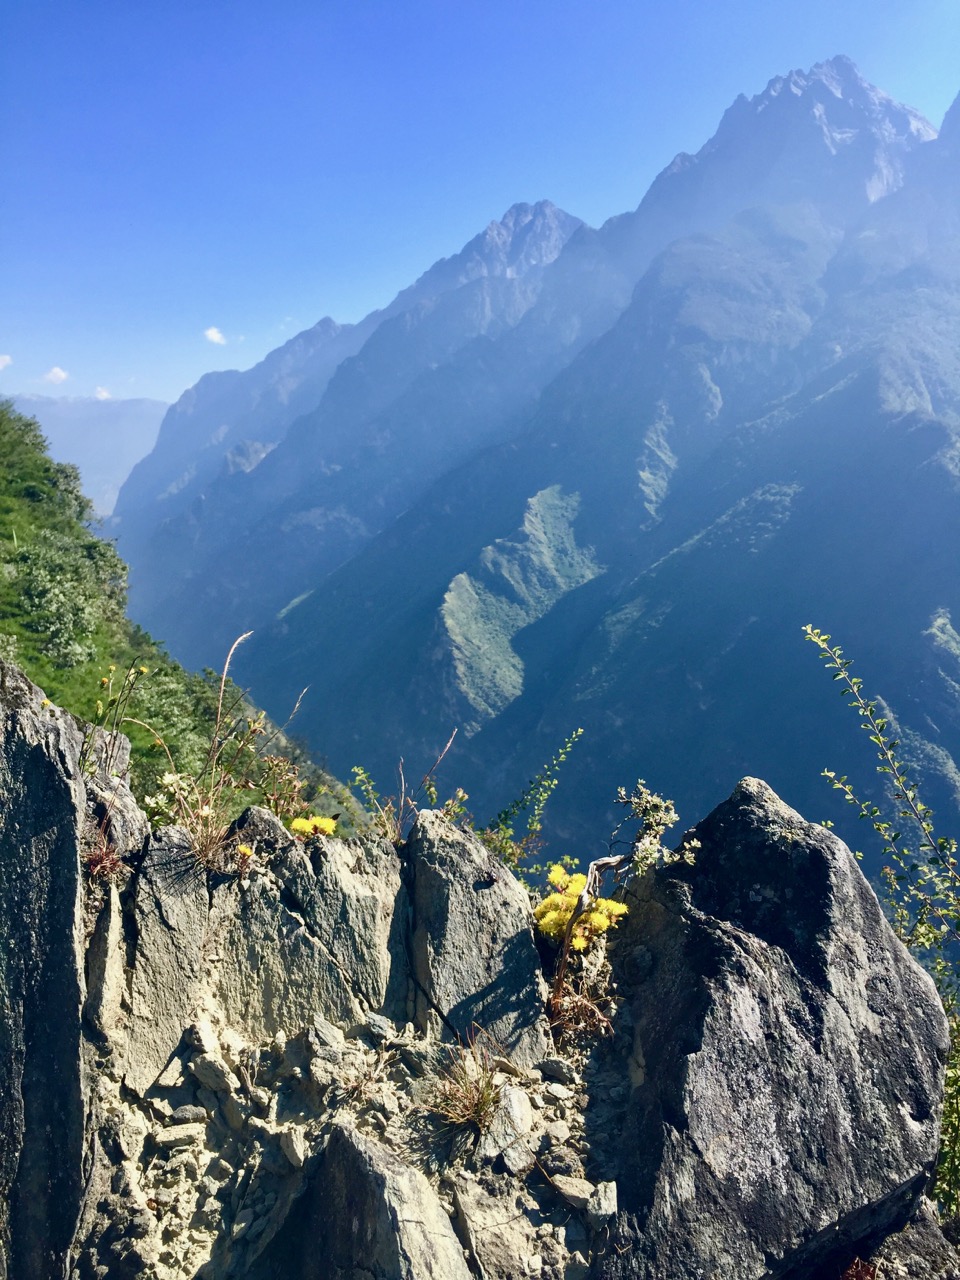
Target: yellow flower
314, 826
554, 913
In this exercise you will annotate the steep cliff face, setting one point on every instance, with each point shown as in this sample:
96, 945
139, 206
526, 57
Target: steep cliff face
216, 1077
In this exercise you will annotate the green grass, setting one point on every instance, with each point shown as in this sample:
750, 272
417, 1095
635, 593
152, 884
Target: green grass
63, 619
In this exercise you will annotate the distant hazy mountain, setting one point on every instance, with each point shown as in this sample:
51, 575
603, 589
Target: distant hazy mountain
731, 412
104, 438
239, 509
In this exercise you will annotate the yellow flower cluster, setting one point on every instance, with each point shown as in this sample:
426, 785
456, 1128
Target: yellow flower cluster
313, 826
554, 912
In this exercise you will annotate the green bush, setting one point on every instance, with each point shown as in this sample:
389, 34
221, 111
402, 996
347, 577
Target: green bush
922, 879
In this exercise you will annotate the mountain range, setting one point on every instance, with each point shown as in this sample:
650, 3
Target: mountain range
602, 477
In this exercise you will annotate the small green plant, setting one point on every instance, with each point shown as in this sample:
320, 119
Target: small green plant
922, 880
575, 915
467, 1092
281, 787
500, 835
394, 816
99, 750
231, 775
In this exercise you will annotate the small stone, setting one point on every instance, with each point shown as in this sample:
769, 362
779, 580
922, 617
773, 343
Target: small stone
508, 1068
294, 1147
576, 1191
387, 1103
533, 1265
179, 1135
519, 1157
183, 1164
559, 1132
328, 1035
215, 1074
188, 1115
558, 1069
375, 1028
602, 1205
233, 1111
558, 1092
562, 1161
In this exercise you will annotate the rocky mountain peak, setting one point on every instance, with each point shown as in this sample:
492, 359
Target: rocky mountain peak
836, 87
526, 238
825, 135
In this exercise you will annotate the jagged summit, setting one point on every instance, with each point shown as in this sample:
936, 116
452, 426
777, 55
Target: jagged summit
526, 237
826, 134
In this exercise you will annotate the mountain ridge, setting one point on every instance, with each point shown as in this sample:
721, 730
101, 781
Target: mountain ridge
790, 324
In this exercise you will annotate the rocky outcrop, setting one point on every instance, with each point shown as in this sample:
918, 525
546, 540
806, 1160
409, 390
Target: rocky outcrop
786, 1060
213, 1077
474, 958
42, 1105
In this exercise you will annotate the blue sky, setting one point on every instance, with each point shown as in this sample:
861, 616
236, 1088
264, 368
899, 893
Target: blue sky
176, 168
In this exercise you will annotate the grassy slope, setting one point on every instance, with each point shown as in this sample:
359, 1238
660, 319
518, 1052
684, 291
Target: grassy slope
62, 619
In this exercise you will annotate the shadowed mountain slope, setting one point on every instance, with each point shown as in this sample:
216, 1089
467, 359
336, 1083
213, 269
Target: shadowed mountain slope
614, 501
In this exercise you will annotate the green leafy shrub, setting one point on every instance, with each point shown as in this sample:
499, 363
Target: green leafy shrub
922, 882
500, 836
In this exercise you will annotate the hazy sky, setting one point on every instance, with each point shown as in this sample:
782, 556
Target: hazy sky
189, 182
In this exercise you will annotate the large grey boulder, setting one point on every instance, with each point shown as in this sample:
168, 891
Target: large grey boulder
785, 1067
475, 963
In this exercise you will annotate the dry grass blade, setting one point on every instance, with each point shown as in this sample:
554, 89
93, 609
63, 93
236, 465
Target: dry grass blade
467, 1093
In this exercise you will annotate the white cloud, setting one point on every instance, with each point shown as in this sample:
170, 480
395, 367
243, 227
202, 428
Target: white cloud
103, 394
213, 334
5, 360
56, 374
